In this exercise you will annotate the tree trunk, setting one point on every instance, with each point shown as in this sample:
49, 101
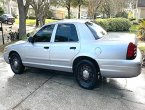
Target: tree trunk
22, 19
79, 12
68, 9
37, 22
69, 14
41, 20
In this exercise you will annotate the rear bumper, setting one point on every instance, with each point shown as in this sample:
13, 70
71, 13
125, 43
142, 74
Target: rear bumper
121, 68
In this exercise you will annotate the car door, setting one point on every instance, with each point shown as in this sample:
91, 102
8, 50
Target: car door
37, 54
65, 46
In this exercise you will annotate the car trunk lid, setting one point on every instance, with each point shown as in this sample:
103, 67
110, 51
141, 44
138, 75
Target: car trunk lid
127, 37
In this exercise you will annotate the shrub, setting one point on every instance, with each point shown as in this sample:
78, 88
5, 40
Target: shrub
141, 31
1, 11
114, 24
103, 23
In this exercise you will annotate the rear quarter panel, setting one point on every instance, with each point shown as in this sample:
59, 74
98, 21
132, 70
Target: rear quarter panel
115, 50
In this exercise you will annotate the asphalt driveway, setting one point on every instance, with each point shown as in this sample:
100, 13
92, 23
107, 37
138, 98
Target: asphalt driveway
38, 89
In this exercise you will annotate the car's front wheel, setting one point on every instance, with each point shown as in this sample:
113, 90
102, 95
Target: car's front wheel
16, 63
86, 74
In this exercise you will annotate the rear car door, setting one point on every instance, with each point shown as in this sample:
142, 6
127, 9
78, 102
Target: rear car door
65, 46
38, 53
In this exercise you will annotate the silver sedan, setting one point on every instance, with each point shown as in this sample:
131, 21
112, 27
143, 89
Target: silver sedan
77, 46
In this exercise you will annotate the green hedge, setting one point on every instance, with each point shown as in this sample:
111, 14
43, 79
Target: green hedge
114, 24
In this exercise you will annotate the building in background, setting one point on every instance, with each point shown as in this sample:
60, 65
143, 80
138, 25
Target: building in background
61, 12
138, 11
141, 9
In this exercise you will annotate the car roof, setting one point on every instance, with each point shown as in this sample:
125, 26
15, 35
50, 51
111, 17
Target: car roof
7, 14
70, 21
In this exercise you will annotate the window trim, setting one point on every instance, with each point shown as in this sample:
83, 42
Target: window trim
68, 41
95, 34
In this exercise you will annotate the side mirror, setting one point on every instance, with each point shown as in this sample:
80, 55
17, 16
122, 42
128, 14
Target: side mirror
31, 40
28, 34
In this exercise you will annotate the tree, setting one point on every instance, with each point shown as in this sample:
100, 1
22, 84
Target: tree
107, 8
23, 10
93, 5
122, 14
63, 3
67, 4
79, 3
41, 8
1, 11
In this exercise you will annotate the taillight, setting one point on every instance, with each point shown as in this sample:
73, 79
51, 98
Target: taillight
131, 51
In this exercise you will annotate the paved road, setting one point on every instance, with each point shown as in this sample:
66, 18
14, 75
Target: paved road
38, 89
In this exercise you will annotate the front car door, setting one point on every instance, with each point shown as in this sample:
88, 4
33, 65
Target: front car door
37, 54
65, 46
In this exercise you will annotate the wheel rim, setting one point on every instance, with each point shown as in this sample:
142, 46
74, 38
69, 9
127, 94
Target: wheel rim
15, 63
86, 74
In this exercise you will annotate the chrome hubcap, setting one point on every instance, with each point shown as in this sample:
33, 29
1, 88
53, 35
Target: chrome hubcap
15, 63
86, 74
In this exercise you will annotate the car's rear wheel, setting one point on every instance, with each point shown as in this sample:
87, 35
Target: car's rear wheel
16, 63
86, 74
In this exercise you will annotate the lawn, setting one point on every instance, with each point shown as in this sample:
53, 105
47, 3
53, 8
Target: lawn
134, 28
32, 22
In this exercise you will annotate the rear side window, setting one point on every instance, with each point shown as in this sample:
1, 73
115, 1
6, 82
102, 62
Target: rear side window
66, 33
96, 30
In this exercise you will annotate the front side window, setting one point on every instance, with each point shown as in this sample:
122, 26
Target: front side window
44, 34
66, 33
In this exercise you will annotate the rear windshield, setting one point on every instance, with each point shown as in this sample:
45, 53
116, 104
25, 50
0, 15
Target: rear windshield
96, 30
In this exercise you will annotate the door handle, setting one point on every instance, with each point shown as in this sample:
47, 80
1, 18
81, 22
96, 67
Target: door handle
46, 47
73, 48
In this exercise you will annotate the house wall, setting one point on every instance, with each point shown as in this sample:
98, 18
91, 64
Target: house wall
58, 14
142, 13
61, 12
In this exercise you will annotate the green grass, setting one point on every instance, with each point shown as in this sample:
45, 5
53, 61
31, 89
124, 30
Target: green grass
134, 28
32, 22
142, 49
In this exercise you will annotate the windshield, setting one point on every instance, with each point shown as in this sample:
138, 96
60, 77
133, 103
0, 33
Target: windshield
8, 15
96, 30
34, 31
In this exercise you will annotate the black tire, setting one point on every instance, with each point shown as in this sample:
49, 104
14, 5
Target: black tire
16, 63
86, 74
